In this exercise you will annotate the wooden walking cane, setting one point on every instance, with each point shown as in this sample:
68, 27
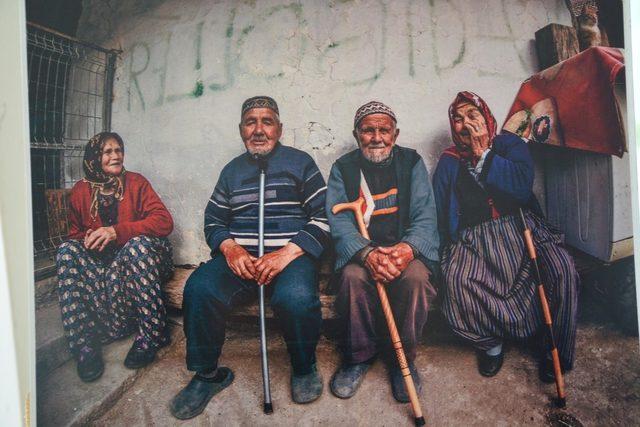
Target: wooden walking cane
356, 207
528, 238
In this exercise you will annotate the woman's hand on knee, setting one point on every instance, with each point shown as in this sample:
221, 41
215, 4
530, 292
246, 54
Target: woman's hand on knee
99, 239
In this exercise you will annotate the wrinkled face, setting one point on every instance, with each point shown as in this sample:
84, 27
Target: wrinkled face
112, 159
376, 135
260, 130
467, 115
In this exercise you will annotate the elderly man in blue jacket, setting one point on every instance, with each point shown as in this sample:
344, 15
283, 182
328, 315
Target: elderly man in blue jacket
402, 252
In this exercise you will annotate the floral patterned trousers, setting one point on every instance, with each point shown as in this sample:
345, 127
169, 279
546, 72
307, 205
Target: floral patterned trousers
102, 302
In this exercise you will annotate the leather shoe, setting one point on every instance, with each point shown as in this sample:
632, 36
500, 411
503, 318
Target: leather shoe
306, 388
192, 399
138, 357
489, 366
347, 379
90, 366
398, 387
546, 372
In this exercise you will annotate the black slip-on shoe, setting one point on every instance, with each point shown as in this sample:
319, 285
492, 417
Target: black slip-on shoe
139, 358
488, 366
546, 372
90, 366
347, 379
398, 388
306, 388
191, 400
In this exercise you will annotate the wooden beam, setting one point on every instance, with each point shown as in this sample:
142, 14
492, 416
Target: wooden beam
555, 43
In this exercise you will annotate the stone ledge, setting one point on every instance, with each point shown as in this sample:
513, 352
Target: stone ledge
46, 291
64, 400
51, 344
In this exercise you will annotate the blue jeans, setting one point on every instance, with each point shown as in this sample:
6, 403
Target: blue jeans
213, 290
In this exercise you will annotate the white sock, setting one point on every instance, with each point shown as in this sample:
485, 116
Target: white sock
494, 351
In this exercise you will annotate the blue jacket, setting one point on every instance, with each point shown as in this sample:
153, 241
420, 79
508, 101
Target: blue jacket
508, 171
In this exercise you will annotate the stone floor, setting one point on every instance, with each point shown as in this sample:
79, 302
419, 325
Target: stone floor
603, 389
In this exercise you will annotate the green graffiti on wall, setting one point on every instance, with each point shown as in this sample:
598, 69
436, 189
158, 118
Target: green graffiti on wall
291, 46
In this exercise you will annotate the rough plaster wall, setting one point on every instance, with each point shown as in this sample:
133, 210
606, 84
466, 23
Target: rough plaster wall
186, 66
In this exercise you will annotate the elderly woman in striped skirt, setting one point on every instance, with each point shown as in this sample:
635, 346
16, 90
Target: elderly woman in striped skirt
480, 183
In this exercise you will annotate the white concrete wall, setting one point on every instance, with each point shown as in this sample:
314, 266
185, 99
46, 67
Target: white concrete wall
187, 66
17, 312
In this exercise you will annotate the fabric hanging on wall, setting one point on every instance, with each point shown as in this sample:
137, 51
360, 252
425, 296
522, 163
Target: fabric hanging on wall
573, 104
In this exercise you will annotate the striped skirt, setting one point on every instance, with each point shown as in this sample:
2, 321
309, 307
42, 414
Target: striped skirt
491, 291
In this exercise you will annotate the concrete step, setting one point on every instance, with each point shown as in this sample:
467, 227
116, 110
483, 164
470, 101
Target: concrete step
83, 401
51, 343
52, 349
46, 290
603, 388
64, 400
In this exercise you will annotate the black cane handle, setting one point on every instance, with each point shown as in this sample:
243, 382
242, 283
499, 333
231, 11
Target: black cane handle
262, 162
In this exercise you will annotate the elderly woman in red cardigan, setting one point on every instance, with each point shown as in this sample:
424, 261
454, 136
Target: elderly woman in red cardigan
117, 255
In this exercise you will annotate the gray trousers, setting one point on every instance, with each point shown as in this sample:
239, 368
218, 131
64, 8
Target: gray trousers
364, 331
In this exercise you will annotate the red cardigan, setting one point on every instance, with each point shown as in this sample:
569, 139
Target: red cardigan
139, 212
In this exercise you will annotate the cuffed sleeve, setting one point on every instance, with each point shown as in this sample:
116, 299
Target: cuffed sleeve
360, 257
480, 164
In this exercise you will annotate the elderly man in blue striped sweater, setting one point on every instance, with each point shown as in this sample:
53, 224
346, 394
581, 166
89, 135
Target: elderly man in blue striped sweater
296, 234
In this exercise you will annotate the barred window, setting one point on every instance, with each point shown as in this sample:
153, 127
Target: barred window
70, 87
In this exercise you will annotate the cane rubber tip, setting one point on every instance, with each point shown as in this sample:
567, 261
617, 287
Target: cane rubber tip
561, 402
268, 408
420, 421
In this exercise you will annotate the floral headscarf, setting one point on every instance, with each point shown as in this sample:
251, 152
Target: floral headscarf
466, 97
93, 173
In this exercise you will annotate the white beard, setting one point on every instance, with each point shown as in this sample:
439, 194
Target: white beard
260, 151
376, 157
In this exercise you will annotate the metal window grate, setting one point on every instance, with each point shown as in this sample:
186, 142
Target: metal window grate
70, 87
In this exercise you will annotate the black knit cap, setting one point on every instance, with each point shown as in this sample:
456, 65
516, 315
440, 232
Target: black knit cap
259, 102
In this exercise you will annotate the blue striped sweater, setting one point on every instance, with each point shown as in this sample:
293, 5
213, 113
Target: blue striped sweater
294, 204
